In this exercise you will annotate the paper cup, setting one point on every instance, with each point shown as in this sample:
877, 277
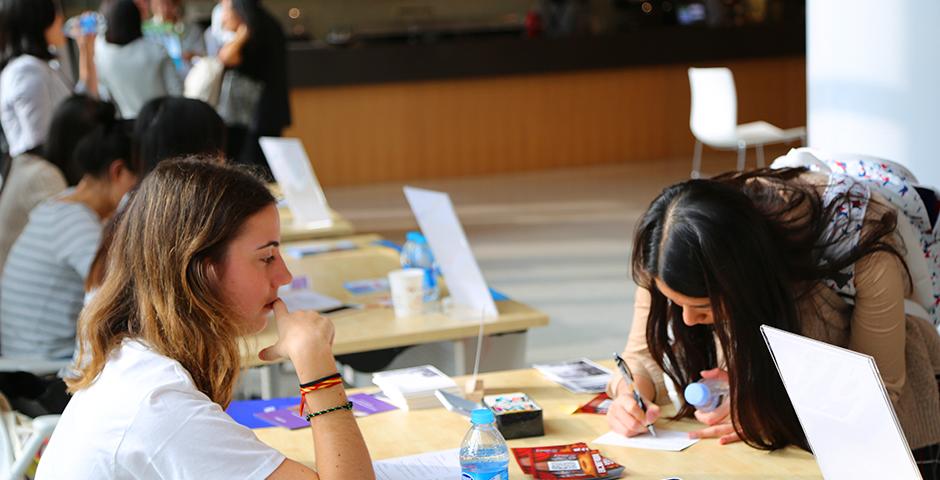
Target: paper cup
407, 288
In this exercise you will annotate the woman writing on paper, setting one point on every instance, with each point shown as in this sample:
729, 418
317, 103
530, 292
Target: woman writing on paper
815, 254
194, 265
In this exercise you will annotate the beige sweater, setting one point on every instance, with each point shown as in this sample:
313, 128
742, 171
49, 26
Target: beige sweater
31, 180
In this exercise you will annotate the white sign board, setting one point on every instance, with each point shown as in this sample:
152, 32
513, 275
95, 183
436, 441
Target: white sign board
438, 221
843, 407
293, 172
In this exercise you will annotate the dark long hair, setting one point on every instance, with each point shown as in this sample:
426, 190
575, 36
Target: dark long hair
23, 25
174, 126
124, 22
165, 128
74, 118
249, 11
106, 143
750, 242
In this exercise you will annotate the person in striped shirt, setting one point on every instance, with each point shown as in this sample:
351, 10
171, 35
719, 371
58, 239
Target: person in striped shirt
41, 291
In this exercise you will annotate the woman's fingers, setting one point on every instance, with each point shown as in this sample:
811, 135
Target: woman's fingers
616, 422
269, 354
627, 418
652, 413
716, 416
715, 374
729, 438
713, 432
280, 309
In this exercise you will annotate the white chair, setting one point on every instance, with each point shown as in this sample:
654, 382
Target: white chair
20, 439
714, 120
20, 436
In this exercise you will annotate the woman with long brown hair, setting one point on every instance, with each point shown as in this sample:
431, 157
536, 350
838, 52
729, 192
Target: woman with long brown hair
805, 252
194, 265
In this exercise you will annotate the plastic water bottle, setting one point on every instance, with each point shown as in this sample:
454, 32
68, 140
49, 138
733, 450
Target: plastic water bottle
87, 23
483, 453
706, 395
416, 253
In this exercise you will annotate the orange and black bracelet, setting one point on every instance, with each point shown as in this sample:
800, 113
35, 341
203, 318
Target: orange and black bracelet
318, 384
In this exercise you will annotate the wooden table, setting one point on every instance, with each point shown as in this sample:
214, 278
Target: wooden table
291, 232
375, 327
398, 433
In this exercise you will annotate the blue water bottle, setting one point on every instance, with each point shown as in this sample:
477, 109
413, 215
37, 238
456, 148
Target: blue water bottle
706, 395
416, 253
483, 453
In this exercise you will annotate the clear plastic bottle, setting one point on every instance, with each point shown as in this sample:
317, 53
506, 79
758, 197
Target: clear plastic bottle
88, 23
416, 253
706, 395
483, 452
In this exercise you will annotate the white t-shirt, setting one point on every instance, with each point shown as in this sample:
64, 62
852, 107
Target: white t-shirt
143, 418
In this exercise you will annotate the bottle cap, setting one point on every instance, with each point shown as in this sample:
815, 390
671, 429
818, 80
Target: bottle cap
482, 416
697, 394
416, 237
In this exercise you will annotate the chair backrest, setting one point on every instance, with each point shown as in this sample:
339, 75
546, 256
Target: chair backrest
714, 114
8, 439
20, 439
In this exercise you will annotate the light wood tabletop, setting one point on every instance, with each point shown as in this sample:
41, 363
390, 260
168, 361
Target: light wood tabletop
374, 326
399, 433
291, 231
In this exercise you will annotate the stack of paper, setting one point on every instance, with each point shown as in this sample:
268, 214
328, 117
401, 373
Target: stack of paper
413, 388
578, 376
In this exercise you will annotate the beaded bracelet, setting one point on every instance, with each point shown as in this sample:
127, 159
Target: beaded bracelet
346, 406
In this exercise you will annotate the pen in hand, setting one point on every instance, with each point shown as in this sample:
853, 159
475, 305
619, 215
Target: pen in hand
628, 379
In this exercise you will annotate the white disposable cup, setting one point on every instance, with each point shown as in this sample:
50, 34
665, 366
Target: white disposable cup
407, 286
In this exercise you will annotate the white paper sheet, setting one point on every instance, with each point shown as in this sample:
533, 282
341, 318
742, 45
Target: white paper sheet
578, 376
438, 221
844, 408
441, 465
300, 299
293, 172
668, 440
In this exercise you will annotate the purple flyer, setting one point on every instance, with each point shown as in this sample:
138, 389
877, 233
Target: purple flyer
284, 417
365, 404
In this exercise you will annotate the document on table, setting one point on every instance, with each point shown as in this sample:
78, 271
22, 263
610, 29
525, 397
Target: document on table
668, 440
578, 376
440, 465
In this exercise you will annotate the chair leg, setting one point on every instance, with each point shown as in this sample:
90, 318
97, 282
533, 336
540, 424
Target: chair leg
697, 160
760, 156
742, 156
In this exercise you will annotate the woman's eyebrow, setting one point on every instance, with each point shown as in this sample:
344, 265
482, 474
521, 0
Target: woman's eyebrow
272, 243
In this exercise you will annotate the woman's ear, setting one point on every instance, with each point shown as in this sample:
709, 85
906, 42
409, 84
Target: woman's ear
121, 177
116, 170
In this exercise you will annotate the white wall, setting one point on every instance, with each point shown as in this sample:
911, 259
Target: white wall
873, 80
